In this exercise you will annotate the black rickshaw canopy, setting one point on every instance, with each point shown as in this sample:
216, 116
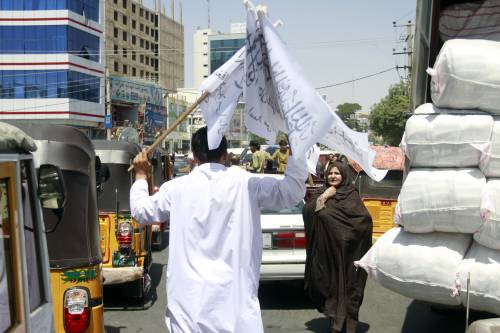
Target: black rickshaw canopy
75, 241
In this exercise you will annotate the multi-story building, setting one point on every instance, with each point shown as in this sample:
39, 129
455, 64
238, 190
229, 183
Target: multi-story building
144, 44
51, 62
211, 49
145, 61
201, 69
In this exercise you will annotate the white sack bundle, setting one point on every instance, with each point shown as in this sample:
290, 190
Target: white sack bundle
489, 233
490, 161
442, 138
471, 20
483, 264
466, 75
445, 200
419, 266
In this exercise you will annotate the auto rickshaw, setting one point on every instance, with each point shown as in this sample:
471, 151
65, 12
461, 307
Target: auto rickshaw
125, 244
381, 198
25, 298
72, 234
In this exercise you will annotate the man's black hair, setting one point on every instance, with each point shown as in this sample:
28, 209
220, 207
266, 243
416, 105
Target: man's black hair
283, 143
255, 144
199, 146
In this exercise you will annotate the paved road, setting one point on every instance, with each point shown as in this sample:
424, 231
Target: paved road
286, 310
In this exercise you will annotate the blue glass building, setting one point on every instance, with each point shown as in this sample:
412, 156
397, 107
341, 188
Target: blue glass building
51, 66
223, 47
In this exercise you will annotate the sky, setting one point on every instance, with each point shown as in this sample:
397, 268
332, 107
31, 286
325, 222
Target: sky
333, 41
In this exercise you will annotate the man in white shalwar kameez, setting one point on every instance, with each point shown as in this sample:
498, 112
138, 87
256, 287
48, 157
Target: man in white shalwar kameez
215, 247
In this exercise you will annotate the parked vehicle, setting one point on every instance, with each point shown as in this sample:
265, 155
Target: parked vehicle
284, 243
73, 233
181, 167
125, 244
381, 198
25, 296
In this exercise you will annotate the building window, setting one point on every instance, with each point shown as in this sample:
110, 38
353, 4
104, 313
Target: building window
133, 71
152, 18
124, 3
142, 73
115, 49
141, 27
52, 38
133, 24
141, 12
49, 84
141, 42
141, 57
116, 66
147, 30
147, 15
124, 52
115, 15
125, 36
133, 8
133, 55
124, 69
124, 20
115, 32
147, 45
152, 33
115, 2
133, 39
147, 60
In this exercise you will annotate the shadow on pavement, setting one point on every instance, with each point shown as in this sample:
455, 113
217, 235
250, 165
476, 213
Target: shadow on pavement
283, 295
321, 325
422, 317
114, 298
113, 329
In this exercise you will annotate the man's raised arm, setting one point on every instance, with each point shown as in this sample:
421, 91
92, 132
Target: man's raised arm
147, 209
281, 193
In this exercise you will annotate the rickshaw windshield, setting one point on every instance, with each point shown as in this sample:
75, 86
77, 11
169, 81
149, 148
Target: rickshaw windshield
388, 188
117, 187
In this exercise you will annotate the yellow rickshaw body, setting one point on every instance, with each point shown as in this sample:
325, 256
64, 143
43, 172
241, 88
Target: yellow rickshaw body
87, 277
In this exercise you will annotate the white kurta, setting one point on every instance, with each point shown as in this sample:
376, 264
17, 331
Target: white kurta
215, 247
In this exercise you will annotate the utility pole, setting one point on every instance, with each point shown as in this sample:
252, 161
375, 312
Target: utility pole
408, 50
108, 101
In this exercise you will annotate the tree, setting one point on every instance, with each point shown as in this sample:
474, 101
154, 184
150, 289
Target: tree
347, 112
388, 117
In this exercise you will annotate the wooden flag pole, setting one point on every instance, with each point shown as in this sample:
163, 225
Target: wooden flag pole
176, 123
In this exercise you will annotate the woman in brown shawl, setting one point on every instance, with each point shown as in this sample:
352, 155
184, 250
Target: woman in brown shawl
338, 232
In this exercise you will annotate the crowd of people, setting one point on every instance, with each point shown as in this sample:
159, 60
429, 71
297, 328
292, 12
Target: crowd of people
216, 244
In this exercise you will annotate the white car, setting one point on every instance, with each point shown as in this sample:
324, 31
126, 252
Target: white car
284, 244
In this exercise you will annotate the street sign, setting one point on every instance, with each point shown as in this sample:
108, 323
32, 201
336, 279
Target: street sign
108, 123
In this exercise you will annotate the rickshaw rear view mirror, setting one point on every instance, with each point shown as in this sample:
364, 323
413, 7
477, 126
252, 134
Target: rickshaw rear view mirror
51, 189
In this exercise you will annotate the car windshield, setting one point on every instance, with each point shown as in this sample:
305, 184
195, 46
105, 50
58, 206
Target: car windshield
297, 209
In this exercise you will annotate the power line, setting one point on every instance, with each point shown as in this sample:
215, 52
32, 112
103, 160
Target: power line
356, 79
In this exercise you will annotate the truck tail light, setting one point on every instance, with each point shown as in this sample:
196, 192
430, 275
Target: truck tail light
124, 235
76, 310
290, 240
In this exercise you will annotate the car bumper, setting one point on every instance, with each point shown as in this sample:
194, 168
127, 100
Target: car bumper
282, 271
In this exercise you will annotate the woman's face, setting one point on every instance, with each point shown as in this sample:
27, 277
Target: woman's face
334, 177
